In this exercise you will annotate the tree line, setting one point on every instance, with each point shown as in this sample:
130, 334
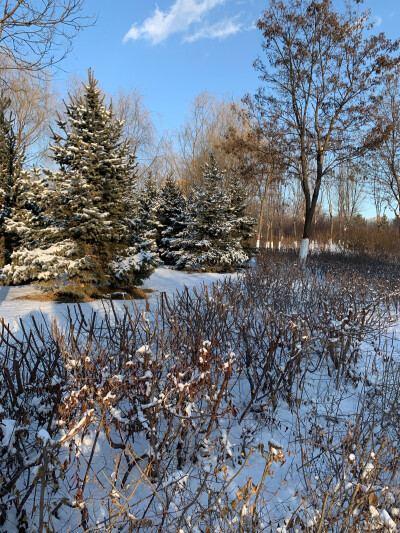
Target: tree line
87, 220
321, 132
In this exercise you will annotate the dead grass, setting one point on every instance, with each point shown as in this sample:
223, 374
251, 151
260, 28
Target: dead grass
72, 294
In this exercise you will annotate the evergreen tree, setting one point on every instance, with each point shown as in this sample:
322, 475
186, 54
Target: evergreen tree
242, 224
39, 255
11, 162
208, 241
93, 235
147, 221
171, 216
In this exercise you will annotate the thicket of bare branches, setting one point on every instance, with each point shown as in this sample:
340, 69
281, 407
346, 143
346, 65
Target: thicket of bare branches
143, 418
37, 35
319, 69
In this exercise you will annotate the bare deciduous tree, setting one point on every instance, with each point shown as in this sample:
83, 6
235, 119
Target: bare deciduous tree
386, 157
35, 35
350, 193
33, 104
320, 68
139, 130
207, 121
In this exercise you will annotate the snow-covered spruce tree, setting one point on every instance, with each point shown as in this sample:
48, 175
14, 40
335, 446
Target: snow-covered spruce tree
11, 162
172, 218
39, 254
209, 241
242, 224
146, 220
93, 237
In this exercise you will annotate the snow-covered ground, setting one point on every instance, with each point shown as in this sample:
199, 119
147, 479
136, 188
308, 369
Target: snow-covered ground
13, 307
321, 442
169, 280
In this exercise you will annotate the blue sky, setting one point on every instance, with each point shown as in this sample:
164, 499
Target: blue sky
171, 50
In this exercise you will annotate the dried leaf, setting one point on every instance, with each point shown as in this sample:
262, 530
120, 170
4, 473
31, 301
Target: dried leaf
373, 499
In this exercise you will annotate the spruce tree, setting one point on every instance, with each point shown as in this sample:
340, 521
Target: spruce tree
11, 162
147, 222
242, 224
208, 241
93, 235
171, 216
97, 181
39, 255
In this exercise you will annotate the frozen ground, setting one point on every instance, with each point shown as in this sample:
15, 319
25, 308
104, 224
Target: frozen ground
310, 435
13, 307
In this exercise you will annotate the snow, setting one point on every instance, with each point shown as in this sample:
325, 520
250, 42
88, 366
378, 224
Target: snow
169, 280
237, 441
274, 444
44, 436
368, 469
164, 279
75, 430
143, 350
8, 428
387, 520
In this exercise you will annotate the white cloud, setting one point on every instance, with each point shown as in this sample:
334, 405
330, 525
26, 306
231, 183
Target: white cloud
178, 19
220, 30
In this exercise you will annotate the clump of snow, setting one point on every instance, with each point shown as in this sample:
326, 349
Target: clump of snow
8, 429
44, 436
387, 520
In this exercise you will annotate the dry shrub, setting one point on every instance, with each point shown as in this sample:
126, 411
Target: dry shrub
150, 400
125, 420
383, 242
349, 462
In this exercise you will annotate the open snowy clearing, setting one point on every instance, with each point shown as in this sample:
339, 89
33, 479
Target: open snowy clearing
13, 307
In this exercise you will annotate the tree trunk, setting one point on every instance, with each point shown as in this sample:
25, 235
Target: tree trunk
6, 244
311, 204
260, 219
305, 243
306, 233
